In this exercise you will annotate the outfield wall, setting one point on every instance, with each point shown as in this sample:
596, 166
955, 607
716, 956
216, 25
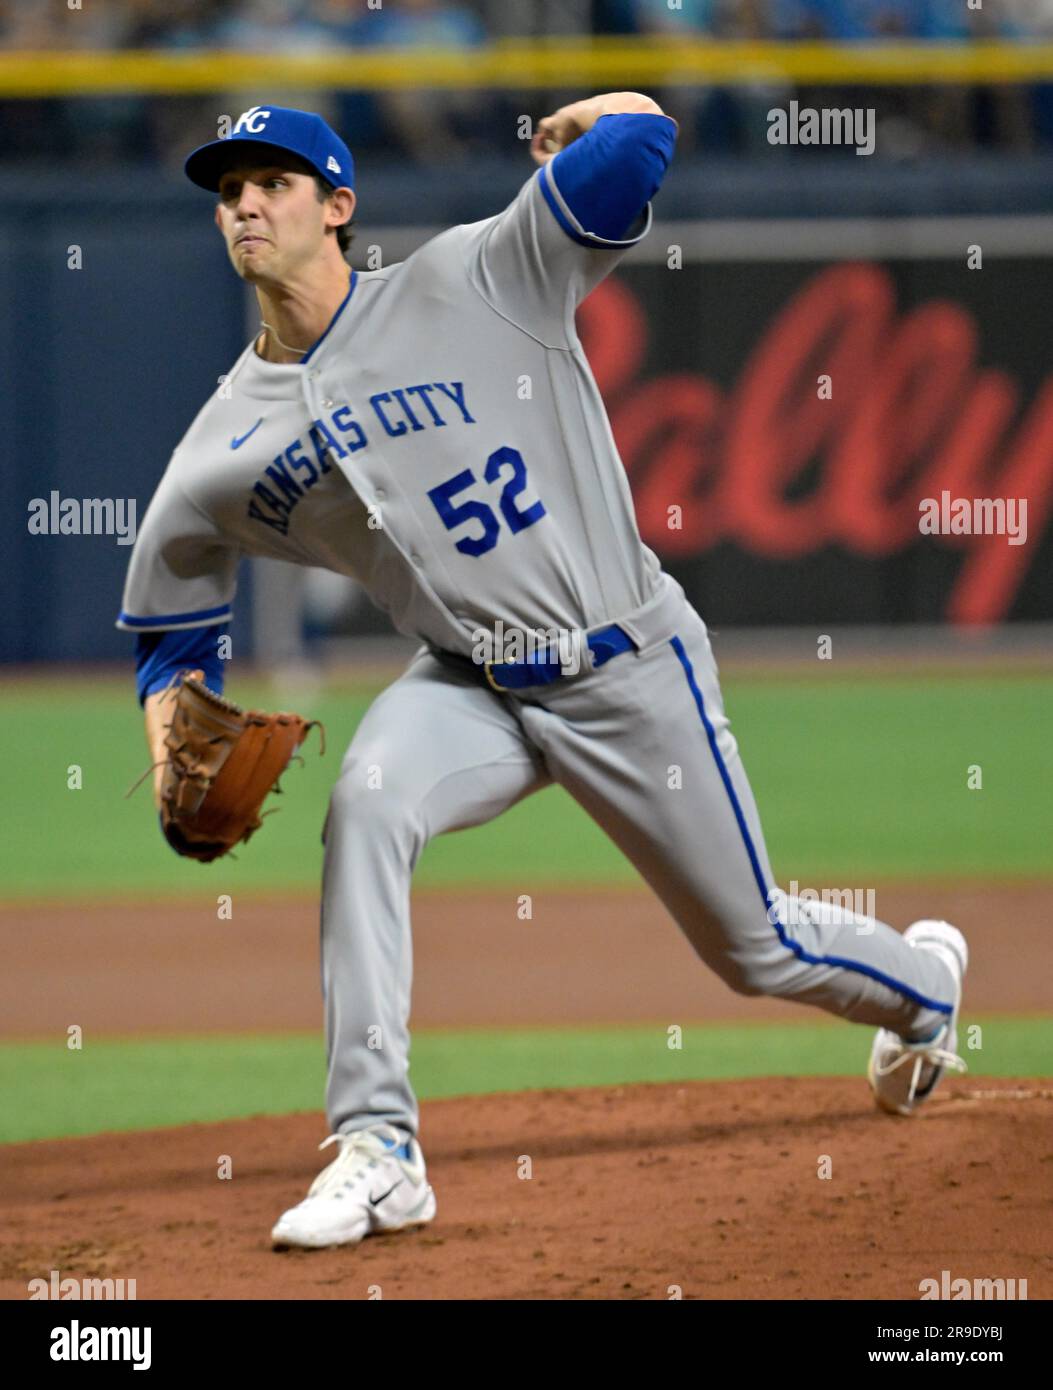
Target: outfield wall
794, 507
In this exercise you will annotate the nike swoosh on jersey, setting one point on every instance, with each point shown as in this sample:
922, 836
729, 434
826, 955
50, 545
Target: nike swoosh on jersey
236, 443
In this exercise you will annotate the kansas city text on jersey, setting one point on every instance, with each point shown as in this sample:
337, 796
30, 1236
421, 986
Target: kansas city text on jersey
294, 472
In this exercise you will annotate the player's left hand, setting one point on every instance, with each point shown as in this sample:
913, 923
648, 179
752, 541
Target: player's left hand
222, 762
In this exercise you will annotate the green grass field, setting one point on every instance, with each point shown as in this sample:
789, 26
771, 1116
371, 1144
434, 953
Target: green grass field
852, 777
120, 1085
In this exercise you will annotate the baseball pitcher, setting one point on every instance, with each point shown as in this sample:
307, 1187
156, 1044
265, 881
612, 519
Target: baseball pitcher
433, 430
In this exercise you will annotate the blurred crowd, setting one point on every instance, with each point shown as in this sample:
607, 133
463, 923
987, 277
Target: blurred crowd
292, 25
430, 125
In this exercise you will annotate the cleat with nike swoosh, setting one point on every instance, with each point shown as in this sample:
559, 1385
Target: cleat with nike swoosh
377, 1183
903, 1074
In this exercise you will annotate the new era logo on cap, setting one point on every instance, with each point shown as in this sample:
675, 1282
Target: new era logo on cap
303, 133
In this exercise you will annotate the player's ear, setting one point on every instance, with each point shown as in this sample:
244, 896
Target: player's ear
340, 207
217, 219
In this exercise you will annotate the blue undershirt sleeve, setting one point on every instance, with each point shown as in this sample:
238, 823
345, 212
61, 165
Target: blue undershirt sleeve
609, 175
159, 655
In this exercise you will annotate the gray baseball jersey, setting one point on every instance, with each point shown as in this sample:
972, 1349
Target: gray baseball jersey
445, 444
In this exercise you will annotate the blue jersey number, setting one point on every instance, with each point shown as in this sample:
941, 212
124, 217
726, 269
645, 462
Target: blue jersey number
454, 515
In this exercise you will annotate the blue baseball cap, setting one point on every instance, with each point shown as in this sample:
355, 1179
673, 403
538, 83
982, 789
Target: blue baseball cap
301, 133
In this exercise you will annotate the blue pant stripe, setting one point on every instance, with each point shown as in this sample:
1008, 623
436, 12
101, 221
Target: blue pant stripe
758, 874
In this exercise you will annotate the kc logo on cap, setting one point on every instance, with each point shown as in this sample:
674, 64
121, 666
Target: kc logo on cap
303, 133
253, 120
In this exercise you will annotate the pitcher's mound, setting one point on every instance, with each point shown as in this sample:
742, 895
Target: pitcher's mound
780, 1188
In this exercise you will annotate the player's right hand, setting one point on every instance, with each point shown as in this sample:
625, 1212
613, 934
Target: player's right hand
554, 133
563, 127
543, 148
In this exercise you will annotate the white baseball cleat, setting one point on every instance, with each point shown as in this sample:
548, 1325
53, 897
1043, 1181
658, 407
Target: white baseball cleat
903, 1074
375, 1184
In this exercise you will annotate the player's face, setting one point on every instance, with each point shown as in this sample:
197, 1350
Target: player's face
271, 220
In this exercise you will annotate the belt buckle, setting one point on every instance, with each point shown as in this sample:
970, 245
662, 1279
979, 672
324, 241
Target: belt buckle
519, 666
488, 673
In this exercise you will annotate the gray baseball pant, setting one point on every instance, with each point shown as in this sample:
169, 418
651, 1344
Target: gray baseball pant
439, 751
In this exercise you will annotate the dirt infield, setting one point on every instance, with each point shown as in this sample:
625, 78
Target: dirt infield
585, 957
712, 1189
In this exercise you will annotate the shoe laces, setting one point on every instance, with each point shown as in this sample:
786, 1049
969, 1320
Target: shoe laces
921, 1054
358, 1151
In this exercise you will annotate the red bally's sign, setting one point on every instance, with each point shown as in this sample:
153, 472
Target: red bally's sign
910, 416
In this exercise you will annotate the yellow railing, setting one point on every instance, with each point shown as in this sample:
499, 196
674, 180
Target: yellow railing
589, 64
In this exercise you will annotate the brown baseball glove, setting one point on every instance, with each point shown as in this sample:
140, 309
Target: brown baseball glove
222, 763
